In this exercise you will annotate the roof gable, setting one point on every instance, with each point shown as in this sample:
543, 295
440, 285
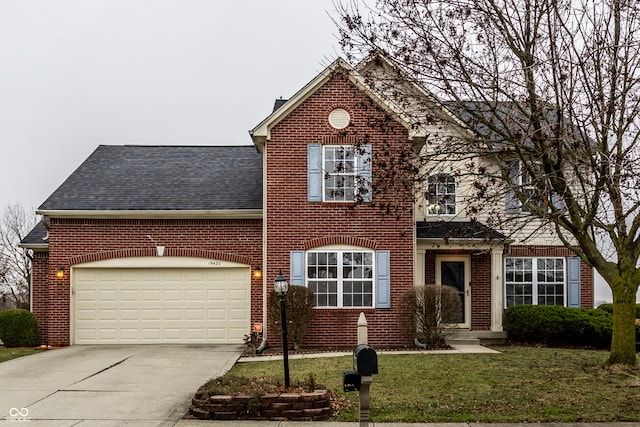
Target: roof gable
262, 132
162, 178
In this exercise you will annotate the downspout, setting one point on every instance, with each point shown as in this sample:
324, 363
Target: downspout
263, 345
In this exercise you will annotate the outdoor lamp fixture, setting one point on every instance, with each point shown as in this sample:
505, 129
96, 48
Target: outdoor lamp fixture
281, 286
257, 273
60, 273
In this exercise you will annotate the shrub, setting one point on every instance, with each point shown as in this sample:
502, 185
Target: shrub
18, 328
609, 309
426, 310
299, 302
556, 325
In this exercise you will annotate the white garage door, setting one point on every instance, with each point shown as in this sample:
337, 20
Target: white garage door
161, 305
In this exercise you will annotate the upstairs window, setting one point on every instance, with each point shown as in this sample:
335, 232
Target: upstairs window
522, 180
441, 195
531, 188
338, 173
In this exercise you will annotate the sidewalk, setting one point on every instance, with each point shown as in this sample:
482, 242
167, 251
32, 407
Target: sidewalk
457, 349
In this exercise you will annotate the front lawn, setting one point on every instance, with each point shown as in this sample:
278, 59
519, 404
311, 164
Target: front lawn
523, 384
13, 353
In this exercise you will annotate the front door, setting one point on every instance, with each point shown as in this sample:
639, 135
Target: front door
455, 271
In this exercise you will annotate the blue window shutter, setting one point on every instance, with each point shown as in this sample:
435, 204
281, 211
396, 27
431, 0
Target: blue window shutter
573, 278
296, 268
314, 173
364, 171
383, 279
512, 202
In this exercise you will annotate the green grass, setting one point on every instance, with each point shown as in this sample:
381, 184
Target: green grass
13, 353
523, 384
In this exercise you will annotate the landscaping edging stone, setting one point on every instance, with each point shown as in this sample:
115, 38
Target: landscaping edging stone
314, 406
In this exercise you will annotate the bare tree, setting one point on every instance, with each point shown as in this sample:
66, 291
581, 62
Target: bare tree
15, 263
545, 98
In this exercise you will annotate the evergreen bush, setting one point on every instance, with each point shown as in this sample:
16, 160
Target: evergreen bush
18, 328
556, 325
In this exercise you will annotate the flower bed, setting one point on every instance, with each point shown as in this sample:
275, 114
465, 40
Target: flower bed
305, 406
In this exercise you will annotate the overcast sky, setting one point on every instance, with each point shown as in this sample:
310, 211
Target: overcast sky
75, 74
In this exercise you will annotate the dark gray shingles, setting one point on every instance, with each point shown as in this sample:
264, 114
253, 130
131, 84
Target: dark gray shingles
163, 178
37, 236
456, 230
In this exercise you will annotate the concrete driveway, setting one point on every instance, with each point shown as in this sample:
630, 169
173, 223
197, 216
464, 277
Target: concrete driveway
138, 385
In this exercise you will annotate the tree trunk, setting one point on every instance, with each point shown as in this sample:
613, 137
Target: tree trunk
623, 340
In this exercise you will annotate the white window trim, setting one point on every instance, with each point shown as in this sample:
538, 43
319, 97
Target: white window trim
523, 180
354, 173
534, 278
341, 249
432, 206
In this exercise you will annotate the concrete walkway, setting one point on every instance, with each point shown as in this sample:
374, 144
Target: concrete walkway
105, 386
458, 349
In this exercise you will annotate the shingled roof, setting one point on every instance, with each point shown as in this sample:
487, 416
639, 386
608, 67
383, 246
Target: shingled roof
461, 230
37, 238
163, 178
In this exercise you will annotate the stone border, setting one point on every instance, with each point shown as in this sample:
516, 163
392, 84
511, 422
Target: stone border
315, 406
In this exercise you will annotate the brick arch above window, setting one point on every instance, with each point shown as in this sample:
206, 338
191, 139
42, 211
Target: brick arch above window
341, 240
169, 252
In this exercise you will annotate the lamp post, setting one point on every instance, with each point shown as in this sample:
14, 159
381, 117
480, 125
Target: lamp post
281, 287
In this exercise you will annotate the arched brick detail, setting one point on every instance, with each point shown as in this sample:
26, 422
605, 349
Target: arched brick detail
217, 255
145, 252
120, 253
341, 240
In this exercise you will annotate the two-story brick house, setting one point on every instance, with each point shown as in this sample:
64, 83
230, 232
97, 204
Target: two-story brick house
161, 244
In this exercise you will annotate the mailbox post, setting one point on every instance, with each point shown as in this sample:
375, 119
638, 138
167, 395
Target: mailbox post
365, 364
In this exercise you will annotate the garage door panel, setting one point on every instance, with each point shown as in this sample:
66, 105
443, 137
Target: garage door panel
172, 314
130, 305
237, 314
173, 295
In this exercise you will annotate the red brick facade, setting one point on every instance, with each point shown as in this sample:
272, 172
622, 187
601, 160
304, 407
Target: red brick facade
293, 223
290, 223
73, 241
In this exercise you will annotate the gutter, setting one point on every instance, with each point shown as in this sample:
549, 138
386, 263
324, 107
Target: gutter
155, 214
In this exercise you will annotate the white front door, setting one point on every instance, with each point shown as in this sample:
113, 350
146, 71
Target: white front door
455, 271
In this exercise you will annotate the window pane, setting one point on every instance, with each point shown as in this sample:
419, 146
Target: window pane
347, 272
518, 281
550, 281
441, 194
340, 170
534, 281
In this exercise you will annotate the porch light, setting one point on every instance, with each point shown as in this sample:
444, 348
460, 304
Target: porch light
60, 272
257, 273
281, 286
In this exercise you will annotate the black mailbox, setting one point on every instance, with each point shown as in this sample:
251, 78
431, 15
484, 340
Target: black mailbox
350, 381
365, 360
